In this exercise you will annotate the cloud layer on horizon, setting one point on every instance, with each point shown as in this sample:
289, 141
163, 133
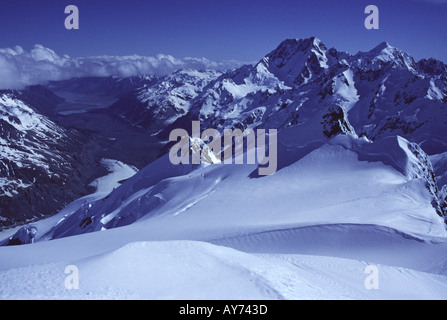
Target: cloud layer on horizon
20, 68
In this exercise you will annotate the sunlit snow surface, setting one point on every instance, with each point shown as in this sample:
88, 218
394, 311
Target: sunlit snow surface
307, 232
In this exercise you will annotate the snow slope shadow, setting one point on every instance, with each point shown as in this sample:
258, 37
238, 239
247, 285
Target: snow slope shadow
371, 243
288, 155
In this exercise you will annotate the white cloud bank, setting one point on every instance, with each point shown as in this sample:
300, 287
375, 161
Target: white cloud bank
19, 68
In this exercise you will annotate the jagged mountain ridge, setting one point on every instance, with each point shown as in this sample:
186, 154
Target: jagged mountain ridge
162, 99
381, 92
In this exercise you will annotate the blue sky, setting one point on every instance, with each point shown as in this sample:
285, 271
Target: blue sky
243, 30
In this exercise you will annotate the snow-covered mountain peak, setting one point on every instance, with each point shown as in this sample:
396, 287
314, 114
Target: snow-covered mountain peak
382, 46
305, 44
295, 61
291, 47
384, 53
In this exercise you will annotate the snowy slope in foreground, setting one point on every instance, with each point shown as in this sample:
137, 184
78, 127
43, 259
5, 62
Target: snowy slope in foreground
198, 270
307, 232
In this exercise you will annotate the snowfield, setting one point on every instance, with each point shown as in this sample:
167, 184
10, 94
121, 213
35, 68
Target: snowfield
308, 232
199, 270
